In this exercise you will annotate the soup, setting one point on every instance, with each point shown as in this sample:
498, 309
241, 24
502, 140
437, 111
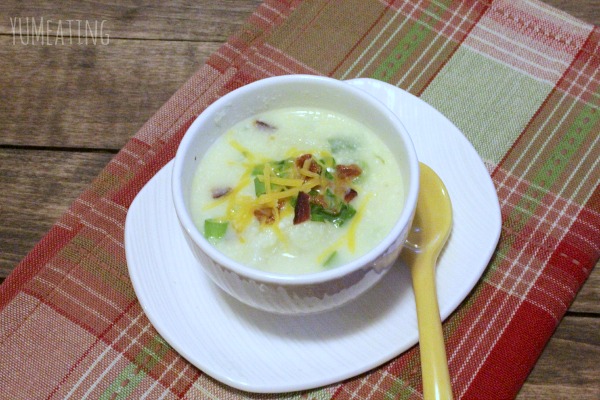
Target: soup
296, 191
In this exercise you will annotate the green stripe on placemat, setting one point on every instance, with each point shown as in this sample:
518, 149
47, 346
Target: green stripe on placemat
409, 43
125, 383
134, 373
488, 101
558, 161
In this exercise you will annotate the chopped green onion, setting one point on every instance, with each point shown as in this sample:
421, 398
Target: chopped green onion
259, 187
330, 260
319, 214
339, 144
215, 228
328, 162
333, 202
258, 169
346, 213
280, 168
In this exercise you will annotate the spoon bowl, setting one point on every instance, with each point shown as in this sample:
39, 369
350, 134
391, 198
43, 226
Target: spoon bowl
429, 232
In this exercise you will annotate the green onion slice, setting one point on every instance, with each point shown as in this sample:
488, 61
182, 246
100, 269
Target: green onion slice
330, 260
259, 187
215, 228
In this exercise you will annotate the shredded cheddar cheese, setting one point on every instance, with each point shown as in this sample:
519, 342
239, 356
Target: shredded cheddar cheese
321, 258
240, 213
351, 234
282, 181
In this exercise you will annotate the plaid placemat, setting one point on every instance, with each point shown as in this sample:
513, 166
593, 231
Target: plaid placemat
520, 79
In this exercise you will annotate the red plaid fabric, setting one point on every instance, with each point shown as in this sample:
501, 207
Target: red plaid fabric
520, 79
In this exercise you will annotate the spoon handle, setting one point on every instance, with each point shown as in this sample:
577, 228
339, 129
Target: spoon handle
434, 365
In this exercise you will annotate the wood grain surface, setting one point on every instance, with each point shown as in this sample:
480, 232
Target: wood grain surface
65, 110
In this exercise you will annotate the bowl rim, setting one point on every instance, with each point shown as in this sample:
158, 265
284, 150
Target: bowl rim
256, 274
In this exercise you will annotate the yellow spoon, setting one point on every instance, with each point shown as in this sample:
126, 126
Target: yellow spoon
430, 230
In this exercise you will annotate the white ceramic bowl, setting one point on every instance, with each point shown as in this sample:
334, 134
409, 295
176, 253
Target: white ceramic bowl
305, 293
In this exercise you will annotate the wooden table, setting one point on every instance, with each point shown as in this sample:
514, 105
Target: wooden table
67, 109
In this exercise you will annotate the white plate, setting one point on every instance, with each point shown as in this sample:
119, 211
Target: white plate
261, 352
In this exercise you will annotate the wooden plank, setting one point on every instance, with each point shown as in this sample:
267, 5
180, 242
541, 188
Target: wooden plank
568, 368
586, 10
206, 20
37, 188
587, 298
89, 96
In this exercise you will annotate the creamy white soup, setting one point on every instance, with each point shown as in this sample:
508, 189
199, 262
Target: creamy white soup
297, 191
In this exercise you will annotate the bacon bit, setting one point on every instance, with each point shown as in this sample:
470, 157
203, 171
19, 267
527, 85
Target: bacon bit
313, 167
220, 192
300, 160
350, 195
347, 172
264, 126
265, 215
319, 200
302, 209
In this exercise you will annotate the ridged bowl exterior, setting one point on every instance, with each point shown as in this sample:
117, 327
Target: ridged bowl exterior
295, 294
